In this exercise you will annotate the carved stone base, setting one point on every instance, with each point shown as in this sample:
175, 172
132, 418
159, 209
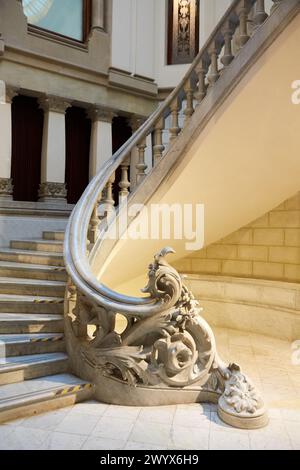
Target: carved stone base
6, 188
53, 192
168, 357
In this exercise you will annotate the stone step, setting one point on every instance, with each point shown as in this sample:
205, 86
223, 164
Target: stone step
19, 368
20, 286
22, 323
57, 235
39, 343
51, 246
41, 395
10, 303
32, 257
32, 271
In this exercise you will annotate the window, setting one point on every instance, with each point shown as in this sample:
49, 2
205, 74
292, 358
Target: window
68, 18
183, 31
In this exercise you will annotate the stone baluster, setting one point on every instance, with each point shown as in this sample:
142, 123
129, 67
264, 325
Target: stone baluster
214, 73
189, 93
227, 34
260, 14
158, 146
243, 11
52, 186
141, 166
124, 184
174, 129
276, 3
98, 15
201, 71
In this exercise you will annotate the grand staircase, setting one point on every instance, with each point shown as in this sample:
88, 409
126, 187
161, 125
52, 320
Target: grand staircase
33, 363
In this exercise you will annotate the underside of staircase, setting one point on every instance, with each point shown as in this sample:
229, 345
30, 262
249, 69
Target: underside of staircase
33, 364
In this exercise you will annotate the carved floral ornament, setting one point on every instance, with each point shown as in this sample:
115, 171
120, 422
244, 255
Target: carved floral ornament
172, 351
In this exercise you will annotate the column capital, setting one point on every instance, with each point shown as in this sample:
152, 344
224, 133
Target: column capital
96, 113
55, 104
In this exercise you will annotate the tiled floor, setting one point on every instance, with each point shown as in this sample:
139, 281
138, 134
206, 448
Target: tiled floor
92, 425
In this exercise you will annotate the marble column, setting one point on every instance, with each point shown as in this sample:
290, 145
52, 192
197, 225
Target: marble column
101, 138
98, 15
135, 123
7, 94
52, 187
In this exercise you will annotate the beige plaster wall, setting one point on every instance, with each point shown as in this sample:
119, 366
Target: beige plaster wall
267, 248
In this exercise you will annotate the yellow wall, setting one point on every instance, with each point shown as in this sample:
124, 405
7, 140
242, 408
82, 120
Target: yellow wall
268, 248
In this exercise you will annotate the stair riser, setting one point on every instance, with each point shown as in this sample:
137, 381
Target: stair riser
44, 406
34, 371
53, 236
34, 274
34, 246
33, 259
43, 290
23, 328
30, 307
22, 349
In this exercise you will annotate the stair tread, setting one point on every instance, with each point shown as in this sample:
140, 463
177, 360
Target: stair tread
30, 267
26, 281
23, 390
18, 251
39, 240
19, 362
34, 317
29, 298
29, 337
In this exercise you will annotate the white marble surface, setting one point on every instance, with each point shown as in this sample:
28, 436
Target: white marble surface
93, 425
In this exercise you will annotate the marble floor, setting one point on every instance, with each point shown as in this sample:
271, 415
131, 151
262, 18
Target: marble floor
271, 363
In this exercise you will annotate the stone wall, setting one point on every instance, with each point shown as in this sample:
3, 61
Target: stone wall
268, 248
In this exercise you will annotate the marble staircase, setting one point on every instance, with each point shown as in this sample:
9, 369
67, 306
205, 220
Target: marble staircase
33, 364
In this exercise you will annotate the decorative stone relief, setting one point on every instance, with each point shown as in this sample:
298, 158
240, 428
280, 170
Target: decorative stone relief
172, 351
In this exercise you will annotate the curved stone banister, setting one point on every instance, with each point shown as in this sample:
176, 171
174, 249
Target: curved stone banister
77, 231
166, 353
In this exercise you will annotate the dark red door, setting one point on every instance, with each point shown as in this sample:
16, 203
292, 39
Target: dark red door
27, 134
78, 132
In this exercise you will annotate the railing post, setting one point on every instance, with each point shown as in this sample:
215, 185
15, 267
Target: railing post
276, 4
214, 73
189, 93
174, 129
141, 165
93, 227
158, 146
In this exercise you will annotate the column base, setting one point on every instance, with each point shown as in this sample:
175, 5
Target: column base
6, 189
53, 192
